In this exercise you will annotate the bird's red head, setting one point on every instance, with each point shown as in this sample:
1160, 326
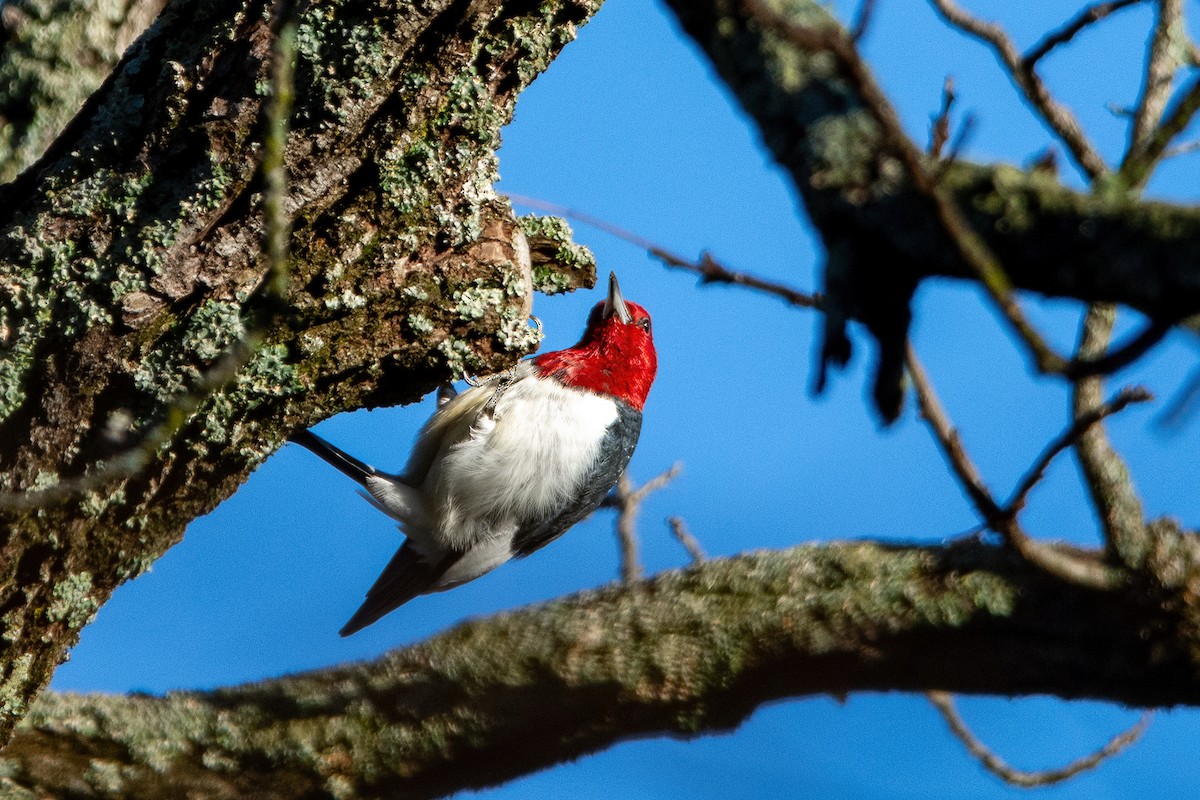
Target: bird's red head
615, 356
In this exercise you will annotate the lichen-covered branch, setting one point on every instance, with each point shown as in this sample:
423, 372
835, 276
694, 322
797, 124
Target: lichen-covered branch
132, 256
883, 237
686, 653
52, 56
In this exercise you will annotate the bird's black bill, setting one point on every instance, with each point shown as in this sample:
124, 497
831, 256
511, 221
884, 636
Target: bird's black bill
614, 303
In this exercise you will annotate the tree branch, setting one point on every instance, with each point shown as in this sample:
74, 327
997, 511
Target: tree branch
1082, 568
1108, 480
1025, 76
1083, 422
50, 62
1085, 18
689, 652
1164, 55
627, 499
944, 703
884, 235
135, 272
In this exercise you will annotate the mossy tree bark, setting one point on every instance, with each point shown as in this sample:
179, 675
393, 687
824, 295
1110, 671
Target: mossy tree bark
133, 272
132, 268
683, 654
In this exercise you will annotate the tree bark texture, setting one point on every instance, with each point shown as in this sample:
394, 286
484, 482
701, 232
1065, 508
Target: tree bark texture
132, 270
683, 654
54, 54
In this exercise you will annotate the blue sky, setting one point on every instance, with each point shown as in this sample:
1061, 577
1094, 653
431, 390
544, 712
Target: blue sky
629, 125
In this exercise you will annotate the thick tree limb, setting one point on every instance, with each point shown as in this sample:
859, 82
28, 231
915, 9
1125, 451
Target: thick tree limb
883, 237
52, 56
132, 266
686, 653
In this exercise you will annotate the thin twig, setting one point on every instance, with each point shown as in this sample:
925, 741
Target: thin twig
1026, 78
1078, 567
1184, 402
1126, 397
1088, 16
945, 434
628, 500
1139, 164
689, 542
1163, 58
1108, 479
939, 132
944, 703
709, 269
274, 166
862, 21
957, 145
1187, 148
631, 564
1119, 357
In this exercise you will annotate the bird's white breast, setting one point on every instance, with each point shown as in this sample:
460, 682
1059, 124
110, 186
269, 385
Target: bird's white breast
524, 462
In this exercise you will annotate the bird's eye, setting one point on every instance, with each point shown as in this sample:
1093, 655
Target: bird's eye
644, 324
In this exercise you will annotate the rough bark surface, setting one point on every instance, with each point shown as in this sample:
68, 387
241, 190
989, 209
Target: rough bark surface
132, 269
686, 653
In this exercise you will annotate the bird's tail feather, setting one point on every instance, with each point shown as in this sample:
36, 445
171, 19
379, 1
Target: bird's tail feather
340, 459
407, 575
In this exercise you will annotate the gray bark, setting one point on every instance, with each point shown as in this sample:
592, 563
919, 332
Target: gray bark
133, 274
132, 268
684, 654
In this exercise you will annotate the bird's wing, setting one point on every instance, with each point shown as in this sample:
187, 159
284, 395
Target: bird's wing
457, 418
407, 575
615, 452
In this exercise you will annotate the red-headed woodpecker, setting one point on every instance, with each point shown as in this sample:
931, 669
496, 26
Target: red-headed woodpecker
508, 466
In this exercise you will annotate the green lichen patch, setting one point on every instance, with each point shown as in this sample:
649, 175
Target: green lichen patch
558, 263
72, 601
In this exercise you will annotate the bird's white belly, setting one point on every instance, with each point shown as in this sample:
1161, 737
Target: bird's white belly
526, 463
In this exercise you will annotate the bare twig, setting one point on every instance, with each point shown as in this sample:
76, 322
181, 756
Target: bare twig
712, 271
628, 500
274, 167
1184, 402
1163, 58
1025, 76
1187, 148
945, 434
957, 145
940, 129
1080, 568
1124, 398
1088, 16
708, 268
1133, 349
944, 703
631, 565
689, 542
862, 21
1107, 477
1139, 164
